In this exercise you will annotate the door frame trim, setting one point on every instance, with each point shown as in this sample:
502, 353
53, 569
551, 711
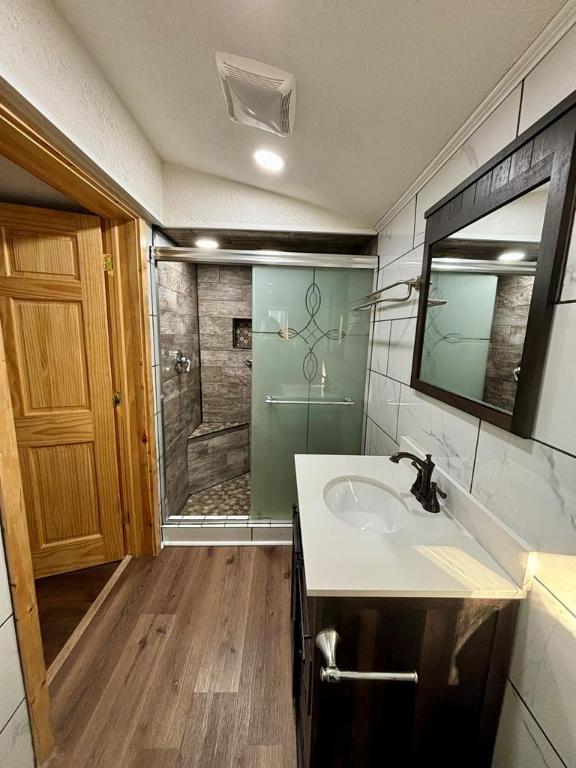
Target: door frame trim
28, 139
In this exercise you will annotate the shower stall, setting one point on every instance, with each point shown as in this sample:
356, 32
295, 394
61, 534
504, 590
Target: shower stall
258, 362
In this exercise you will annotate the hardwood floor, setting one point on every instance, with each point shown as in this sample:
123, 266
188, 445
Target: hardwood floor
186, 665
62, 602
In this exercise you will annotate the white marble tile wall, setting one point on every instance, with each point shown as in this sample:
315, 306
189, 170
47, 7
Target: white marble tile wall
383, 401
543, 671
400, 352
529, 484
521, 743
496, 131
449, 435
15, 740
403, 268
551, 81
398, 237
380, 346
378, 443
569, 281
554, 424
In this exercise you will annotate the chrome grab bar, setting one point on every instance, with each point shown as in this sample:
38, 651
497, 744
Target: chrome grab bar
413, 284
327, 642
272, 400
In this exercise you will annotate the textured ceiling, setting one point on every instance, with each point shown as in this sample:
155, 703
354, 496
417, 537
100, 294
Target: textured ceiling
381, 84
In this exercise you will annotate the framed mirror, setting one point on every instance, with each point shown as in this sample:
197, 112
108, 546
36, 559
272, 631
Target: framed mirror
494, 257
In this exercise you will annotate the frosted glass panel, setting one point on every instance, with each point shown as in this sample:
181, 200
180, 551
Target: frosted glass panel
455, 351
342, 361
309, 348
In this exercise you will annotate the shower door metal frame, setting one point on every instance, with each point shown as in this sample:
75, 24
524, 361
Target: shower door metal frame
248, 258
251, 258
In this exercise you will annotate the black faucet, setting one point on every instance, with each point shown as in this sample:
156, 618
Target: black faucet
424, 489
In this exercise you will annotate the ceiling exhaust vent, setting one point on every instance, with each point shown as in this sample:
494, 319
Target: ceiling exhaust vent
257, 94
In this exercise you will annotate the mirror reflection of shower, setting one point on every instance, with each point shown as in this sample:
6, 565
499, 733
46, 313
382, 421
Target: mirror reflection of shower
484, 274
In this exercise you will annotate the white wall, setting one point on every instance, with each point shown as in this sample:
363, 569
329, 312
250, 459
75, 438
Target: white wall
44, 61
194, 199
530, 484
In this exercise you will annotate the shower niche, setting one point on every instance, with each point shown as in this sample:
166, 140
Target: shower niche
242, 331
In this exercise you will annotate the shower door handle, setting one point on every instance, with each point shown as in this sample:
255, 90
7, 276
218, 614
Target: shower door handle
271, 400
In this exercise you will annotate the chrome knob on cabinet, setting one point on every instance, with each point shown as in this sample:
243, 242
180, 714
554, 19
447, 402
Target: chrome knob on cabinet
327, 642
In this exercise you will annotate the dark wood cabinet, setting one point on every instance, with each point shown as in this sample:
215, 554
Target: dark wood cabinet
460, 649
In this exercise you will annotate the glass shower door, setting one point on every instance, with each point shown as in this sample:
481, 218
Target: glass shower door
309, 351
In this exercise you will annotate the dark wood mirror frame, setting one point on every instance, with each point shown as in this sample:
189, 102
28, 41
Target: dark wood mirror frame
545, 152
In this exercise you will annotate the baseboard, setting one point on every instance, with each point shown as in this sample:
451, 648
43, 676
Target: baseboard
72, 641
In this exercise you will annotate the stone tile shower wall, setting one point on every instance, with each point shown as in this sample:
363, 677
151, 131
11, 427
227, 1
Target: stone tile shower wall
513, 295
224, 294
178, 325
529, 484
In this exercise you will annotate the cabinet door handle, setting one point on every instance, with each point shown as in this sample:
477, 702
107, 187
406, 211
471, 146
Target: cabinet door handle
327, 642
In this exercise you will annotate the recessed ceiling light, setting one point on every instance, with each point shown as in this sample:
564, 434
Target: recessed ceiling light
207, 242
270, 161
512, 256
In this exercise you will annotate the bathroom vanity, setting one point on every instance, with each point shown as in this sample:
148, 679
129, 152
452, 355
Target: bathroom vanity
407, 591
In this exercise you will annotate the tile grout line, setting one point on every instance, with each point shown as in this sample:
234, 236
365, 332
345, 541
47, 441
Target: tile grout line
552, 447
521, 104
386, 376
397, 258
555, 596
475, 454
382, 430
23, 701
531, 713
398, 413
10, 615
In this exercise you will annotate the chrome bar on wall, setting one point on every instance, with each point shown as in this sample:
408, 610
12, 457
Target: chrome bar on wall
269, 258
413, 284
272, 400
374, 298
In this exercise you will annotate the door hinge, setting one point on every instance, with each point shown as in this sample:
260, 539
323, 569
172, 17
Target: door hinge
107, 260
125, 518
116, 399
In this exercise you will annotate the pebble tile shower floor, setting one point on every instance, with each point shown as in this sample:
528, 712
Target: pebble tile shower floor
229, 498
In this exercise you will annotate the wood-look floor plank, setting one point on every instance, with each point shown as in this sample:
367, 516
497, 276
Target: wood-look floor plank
225, 628
86, 672
187, 665
265, 673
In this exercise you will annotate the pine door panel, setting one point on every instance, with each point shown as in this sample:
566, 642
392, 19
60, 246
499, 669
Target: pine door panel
53, 315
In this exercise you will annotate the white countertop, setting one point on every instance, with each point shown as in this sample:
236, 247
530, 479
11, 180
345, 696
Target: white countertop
432, 556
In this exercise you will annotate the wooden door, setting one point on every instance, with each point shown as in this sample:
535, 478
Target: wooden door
54, 319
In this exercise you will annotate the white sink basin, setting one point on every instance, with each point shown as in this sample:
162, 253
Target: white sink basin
366, 504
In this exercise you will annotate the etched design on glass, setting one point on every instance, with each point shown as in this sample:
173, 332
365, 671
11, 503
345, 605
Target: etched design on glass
311, 334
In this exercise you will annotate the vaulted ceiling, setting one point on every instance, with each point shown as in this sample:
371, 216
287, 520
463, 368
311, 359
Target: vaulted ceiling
381, 84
